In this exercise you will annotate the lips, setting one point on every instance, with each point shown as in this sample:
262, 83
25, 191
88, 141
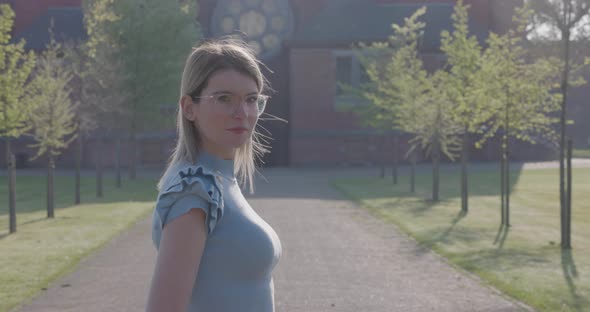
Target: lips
238, 130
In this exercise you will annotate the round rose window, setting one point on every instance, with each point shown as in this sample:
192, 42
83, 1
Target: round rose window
265, 22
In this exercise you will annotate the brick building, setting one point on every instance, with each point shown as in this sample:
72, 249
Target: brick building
305, 45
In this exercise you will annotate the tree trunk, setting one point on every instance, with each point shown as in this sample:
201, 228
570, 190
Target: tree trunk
568, 212
379, 156
507, 163
118, 162
133, 153
413, 173
507, 183
395, 158
502, 187
436, 154
11, 187
50, 201
435, 171
99, 154
464, 189
136, 92
564, 88
78, 168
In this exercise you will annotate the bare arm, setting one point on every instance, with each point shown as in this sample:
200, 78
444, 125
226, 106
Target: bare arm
177, 264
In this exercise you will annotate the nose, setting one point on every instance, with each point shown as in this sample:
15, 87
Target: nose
241, 111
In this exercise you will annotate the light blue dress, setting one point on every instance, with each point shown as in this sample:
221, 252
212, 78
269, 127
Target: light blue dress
241, 250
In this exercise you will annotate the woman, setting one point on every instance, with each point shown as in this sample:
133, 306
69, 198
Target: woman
215, 254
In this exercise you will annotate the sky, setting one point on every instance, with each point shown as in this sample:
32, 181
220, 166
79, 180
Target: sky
548, 31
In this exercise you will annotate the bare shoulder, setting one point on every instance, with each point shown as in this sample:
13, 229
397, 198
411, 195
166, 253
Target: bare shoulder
179, 255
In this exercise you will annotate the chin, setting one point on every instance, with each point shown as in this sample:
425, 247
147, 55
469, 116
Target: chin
236, 143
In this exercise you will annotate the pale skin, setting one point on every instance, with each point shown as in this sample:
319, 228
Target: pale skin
183, 239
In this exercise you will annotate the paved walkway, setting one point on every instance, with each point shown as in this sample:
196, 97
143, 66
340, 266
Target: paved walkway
336, 257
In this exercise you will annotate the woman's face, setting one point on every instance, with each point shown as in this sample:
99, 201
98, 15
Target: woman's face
224, 114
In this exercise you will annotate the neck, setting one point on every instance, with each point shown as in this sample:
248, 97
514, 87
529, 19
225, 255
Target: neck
222, 153
222, 166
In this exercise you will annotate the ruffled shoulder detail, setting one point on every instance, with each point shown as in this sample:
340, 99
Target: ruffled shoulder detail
194, 182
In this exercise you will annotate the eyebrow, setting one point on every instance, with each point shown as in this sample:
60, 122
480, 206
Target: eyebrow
229, 92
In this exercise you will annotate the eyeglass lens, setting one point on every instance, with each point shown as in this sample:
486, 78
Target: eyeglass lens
254, 103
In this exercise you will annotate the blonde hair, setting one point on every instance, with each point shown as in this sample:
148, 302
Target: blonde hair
210, 57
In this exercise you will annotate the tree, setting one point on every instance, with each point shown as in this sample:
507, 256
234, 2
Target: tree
85, 112
111, 93
52, 116
97, 92
437, 133
463, 61
518, 97
565, 21
389, 68
15, 70
367, 98
75, 59
405, 82
406, 97
425, 108
152, 39
102, 77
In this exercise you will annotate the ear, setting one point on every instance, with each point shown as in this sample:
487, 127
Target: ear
187, 107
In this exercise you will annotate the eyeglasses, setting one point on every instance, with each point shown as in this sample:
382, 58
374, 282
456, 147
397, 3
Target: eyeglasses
255, 103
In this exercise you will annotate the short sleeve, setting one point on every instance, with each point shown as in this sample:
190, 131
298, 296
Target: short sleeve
189, 187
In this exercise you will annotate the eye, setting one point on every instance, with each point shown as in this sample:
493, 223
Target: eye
223, 98
251, 100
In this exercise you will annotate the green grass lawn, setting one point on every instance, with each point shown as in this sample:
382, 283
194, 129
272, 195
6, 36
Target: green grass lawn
44, 249
581, 153
526, 261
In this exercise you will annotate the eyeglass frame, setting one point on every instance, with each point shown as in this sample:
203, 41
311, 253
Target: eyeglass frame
195, 98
